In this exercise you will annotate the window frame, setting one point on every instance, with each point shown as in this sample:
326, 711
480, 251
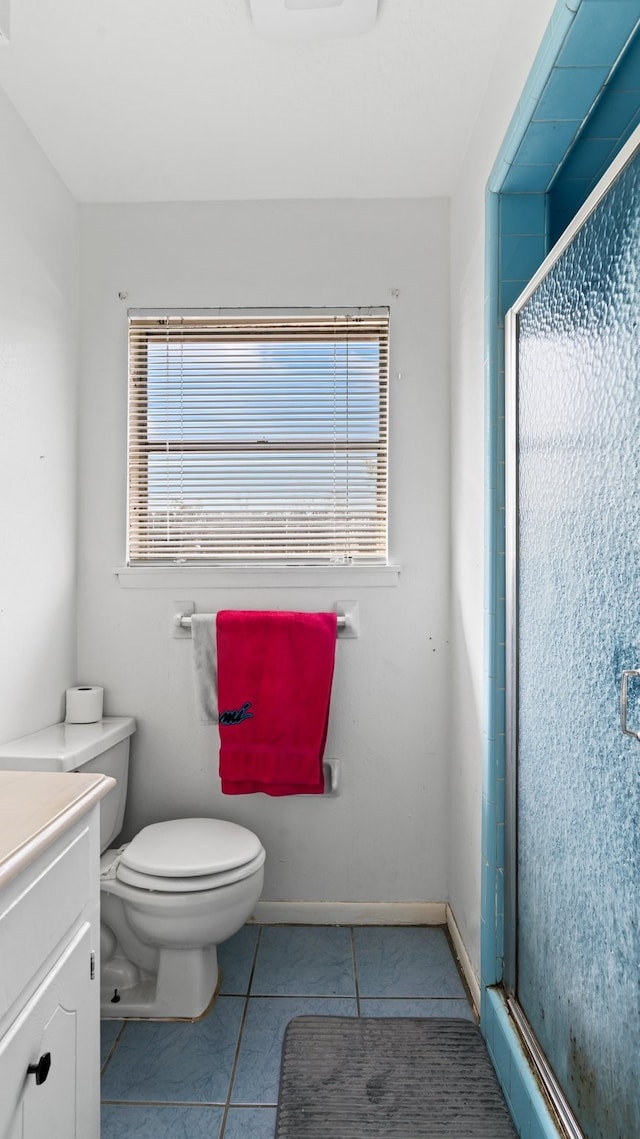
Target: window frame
240, 324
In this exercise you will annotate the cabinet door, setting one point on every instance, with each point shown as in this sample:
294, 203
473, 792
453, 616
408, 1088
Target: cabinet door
54, 1031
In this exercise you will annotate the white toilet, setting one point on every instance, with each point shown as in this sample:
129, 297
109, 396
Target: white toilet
169, 896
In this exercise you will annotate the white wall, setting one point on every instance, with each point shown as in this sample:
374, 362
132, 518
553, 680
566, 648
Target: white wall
38, 379
515, 56
384, 837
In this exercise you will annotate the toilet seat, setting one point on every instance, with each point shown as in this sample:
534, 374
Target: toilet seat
191, 885
188, 855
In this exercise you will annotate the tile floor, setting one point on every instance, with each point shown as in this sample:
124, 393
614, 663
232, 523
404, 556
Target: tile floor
219, 1078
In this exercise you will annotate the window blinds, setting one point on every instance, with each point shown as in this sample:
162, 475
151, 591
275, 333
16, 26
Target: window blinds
258, 438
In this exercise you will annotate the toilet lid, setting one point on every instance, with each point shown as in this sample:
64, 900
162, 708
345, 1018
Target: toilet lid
190, 848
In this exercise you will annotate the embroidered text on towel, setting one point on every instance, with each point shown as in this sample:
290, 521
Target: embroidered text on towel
236, 715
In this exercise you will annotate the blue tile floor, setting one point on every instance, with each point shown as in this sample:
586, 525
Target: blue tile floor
219, 1077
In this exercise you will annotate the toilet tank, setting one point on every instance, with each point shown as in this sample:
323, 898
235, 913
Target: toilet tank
101, 747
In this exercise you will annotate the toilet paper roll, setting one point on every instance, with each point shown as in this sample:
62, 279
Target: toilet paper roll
84, 704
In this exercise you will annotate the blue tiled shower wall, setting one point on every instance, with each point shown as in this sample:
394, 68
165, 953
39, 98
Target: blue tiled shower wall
580, 105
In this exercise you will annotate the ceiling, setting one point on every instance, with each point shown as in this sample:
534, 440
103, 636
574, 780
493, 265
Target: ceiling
181, 100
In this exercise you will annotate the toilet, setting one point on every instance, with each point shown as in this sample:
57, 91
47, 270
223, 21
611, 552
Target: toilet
168, 897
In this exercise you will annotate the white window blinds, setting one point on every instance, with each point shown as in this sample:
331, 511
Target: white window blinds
258, 438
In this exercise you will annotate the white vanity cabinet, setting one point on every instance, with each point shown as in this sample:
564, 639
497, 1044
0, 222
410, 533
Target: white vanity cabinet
49, 945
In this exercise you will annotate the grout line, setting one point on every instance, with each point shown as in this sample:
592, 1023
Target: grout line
112, 1048
234, 1066
162, 1103
422, 1000
254, 1104
355, 969
321, 995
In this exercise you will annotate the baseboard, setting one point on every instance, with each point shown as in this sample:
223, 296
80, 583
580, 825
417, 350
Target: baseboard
463, 957
350, 913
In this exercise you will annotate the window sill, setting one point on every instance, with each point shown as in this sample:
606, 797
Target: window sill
252, 577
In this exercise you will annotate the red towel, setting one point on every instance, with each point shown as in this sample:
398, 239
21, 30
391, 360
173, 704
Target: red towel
274, 688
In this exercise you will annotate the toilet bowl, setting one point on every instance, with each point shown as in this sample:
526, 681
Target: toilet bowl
169, 897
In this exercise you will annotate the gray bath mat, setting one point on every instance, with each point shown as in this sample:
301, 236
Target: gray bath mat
388, 1078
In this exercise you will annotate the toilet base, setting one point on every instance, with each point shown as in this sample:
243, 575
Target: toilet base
182, 989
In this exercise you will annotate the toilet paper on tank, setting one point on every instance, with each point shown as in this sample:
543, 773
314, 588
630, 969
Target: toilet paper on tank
84, 704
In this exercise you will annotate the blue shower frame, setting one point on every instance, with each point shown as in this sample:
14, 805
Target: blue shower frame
580, 104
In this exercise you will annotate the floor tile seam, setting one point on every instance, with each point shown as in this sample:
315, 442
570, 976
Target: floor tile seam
427, 997
245, 1104
206, 1103
112, 1049
354, 961
236, 1056
357, 996
293, 996
404, 996
266, 1103
252, 1103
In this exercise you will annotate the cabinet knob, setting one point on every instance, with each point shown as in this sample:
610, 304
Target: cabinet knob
41, 1069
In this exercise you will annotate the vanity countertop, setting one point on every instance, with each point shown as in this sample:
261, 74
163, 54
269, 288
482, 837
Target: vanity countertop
38, 806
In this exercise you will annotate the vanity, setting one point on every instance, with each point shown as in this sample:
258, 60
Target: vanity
49, 954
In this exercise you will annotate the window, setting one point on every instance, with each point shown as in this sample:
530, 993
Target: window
258, 438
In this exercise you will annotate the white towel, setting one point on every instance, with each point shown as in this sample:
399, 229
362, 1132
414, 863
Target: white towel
205, 666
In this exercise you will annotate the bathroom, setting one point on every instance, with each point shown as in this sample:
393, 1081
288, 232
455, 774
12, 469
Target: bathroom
403, 838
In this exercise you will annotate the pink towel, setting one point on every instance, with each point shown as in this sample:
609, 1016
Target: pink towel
274, 688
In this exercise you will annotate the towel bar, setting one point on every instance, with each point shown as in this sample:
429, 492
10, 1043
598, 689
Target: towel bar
185, 621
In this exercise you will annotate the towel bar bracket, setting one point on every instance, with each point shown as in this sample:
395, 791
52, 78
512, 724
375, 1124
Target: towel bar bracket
180, 610
349, 612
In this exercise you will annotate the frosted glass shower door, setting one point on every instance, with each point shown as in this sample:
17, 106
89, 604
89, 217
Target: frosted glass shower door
575, 608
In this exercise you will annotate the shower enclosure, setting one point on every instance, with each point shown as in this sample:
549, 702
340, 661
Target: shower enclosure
573, 650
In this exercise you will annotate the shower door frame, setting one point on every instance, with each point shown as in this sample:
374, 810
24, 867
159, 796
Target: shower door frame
535, 1054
